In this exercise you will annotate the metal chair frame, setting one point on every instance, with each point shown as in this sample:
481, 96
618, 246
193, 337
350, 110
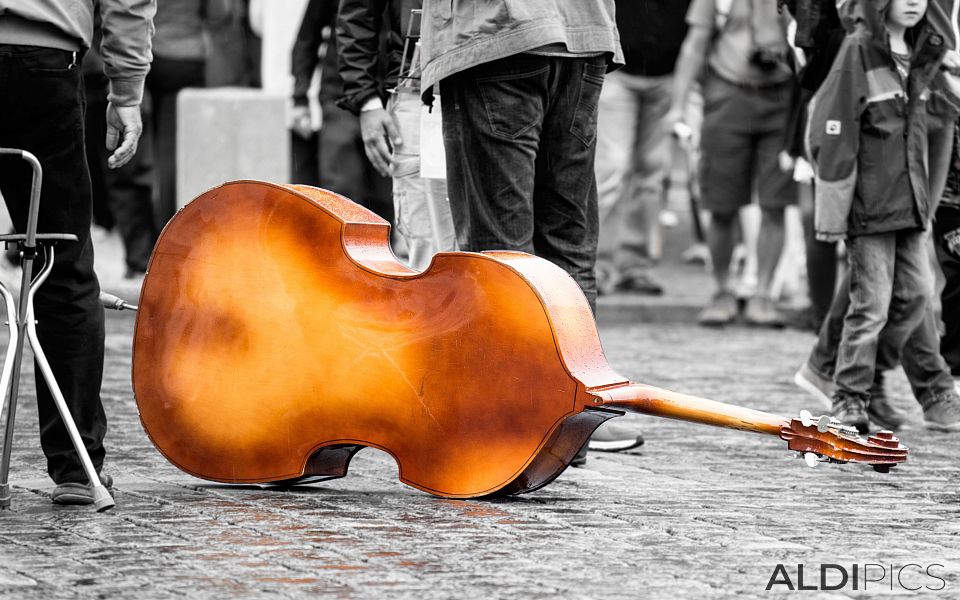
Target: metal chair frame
22, 325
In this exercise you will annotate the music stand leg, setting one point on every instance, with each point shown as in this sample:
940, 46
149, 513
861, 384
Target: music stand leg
25, 323
102, 500
5, 377
25, 284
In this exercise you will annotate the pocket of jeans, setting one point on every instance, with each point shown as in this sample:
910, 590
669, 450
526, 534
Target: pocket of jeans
584, 124
509, 101
51, 63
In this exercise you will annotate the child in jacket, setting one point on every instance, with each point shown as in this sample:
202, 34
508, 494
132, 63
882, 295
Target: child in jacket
867, 137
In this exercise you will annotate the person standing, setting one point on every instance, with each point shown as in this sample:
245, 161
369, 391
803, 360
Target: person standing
748, 90
633, 146
926, 369
344, 168
520, 84
390, 124
180, 57
869, 141
41, 111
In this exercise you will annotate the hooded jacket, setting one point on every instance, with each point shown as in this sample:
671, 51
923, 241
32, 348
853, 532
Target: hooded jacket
940, 14
867, 133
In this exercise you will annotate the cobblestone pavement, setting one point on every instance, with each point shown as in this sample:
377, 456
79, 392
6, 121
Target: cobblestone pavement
695, 513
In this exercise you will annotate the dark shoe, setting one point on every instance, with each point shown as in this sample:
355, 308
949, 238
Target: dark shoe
613, 437
851, 410
722, 310
943, 414
820, 388
639, 283
761, 312
881, 412
76, 493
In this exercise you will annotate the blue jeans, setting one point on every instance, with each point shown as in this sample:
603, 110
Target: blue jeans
520, 138
922, 363
890, 285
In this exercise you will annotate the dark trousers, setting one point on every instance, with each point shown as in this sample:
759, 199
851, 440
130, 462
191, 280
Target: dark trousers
520, 138
344, 167
165, 80
946, 233
41, 110
821, 265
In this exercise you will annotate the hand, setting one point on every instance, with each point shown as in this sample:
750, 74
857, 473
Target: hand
300, 122
787, 162
951, 62
379, 134
675, 124
124, 126
678, 128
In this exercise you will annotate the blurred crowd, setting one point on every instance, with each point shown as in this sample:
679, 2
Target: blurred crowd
714, 94
719, 95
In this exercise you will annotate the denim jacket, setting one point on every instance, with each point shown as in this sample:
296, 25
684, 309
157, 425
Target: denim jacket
459, 34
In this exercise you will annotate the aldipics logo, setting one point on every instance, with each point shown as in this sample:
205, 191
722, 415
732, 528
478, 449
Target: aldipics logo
860, 577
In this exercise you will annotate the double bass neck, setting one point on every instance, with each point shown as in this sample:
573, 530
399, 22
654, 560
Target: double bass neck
650, 400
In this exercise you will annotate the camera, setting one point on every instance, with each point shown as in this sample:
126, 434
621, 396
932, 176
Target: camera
766, 59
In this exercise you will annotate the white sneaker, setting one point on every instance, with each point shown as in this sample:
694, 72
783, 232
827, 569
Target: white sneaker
821, 389
614, 437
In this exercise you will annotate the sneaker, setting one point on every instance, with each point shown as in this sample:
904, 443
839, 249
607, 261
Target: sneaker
76, 493
943, 414
639, 283
851, 410
881, 411
697, 254
613, 437
722, 310
820, 388
761, 312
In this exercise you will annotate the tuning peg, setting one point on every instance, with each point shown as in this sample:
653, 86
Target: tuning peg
806, 418
823, 423
811, 459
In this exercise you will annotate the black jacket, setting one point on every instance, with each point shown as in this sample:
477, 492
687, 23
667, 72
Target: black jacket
306, 52
370, 40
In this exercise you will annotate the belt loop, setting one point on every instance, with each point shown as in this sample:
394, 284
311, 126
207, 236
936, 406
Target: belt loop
73, 61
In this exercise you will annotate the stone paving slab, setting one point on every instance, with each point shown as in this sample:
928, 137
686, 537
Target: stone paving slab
697, 512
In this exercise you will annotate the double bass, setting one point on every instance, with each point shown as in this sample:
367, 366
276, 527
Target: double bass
278, 335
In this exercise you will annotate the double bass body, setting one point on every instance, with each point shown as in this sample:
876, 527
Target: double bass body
277, 335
